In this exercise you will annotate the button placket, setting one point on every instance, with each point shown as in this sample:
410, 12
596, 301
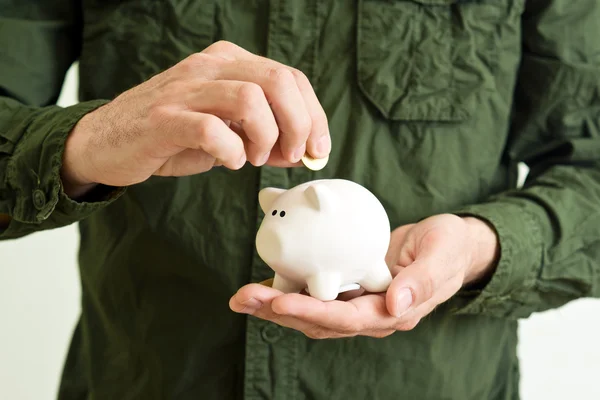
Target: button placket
273, 351
259, 337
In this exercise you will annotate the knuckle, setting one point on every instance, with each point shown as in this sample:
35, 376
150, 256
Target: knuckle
281, 76
159, 114
221, 46
249, 95
191, 63
194, 59
299, 76
253, 107
201, 64
174, 89
208, 127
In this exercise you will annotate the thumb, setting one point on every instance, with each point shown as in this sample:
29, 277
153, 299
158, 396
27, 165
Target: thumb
411, 287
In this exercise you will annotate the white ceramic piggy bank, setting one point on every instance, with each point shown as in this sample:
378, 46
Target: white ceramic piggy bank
325, 236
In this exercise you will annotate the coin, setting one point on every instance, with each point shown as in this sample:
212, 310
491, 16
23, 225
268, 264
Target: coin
314, 164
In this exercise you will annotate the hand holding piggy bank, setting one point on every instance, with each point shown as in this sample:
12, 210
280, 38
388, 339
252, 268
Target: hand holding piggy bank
326, 236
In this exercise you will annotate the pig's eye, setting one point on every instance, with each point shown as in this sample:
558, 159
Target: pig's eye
274, 213
282, 214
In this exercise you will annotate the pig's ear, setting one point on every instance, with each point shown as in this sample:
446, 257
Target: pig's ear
320, 197
267, 196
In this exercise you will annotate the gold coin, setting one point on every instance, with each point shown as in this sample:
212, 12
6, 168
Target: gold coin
314, 164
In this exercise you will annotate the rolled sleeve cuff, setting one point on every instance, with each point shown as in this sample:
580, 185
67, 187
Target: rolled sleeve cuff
34, 171
520, 238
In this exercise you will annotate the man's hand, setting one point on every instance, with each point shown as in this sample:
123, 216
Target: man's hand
223, 106
430, 262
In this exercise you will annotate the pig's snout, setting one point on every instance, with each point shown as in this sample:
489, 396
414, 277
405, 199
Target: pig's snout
269, 245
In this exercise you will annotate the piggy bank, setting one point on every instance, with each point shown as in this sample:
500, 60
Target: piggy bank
325, 236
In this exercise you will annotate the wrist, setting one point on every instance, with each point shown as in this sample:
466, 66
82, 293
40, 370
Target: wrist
75, 180
485, 251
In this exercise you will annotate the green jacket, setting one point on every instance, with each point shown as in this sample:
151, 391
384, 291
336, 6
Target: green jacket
431, 104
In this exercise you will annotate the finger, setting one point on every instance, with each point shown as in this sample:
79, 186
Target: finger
256, 299
400, 251
283, 95
209, 133
276, 159
357, 315
319, 140
252, 297
245, 104
188, 162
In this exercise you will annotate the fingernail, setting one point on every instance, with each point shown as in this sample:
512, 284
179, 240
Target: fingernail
324, 145
403, 301
299, 152
251, 306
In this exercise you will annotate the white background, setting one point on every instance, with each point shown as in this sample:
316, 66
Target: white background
39, 304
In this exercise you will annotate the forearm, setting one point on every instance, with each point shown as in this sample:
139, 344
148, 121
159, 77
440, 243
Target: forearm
32, 129
32, 195
549, 239
549, 230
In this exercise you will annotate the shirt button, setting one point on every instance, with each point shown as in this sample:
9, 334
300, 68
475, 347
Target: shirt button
271, 333
39, 199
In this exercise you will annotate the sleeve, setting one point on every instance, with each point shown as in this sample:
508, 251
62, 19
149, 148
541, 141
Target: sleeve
40, 39
549, 229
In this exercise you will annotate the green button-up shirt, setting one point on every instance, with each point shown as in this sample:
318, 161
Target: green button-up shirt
431, 104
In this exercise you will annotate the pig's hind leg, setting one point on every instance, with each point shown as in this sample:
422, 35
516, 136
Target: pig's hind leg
378, 279
324, 286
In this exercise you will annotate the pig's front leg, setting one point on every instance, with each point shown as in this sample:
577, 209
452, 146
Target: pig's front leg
378, 279
324, 286
286, 286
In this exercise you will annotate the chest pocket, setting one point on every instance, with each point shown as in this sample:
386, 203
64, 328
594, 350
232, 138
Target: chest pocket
130, 41
427, 60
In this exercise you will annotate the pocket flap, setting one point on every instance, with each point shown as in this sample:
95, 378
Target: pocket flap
426, 60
